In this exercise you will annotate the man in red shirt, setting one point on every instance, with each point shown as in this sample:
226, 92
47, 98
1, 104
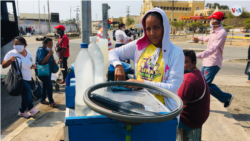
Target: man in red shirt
63, 49
195, 94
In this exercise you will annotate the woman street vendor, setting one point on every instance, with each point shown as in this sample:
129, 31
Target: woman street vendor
157, 61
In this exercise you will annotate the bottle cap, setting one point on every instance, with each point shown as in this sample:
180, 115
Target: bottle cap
92, 39
84, 45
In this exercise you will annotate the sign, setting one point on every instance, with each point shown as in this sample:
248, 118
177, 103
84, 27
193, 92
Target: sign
185, 18
236, 10
28, 22
43, 22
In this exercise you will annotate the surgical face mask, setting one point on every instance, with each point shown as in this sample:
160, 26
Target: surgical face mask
187, 70
49, 49
123, 29
18, 48
212, 26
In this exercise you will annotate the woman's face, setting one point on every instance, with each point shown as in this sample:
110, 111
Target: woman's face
154, 30
17, 42
49, 44
122, 27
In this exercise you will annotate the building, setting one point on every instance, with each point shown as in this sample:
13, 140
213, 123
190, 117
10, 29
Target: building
173, 9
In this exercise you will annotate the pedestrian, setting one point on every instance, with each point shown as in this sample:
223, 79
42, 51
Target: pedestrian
100, 34
33, 30
249, 63
63, 50
26, 61
195, 95
26, 29
212, 56
157, 61
44, 55
30, 29
121, 36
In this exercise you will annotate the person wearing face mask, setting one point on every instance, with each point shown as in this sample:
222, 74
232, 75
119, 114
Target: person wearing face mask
26, 61
213, 56
157, 61
63, 50
121, 36
100, 35
194, 93
44, 55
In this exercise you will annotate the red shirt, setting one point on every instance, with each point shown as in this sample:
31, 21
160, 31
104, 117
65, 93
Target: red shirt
196, 113
64, 44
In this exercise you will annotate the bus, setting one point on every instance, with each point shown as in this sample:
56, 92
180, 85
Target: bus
9, 26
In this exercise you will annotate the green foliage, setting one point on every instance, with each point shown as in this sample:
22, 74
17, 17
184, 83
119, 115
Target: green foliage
120, 20
228, 27
195, 24
130, 21
181, 24
247, 23
217, 4
245, 13
230, 16
71, 21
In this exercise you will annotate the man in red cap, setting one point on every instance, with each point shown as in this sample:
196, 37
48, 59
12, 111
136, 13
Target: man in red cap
212, 56
63, 50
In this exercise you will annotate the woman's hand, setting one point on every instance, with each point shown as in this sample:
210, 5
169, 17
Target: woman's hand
33, 66
134, 87
12, 59
119, 73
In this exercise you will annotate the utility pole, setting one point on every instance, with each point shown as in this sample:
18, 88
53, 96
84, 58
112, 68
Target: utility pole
96, 20
39, 16
44, 13
127, 15
86, 21
70, 19
77, 16
105, 9
49, 16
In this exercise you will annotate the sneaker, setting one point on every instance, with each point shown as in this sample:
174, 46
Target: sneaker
24, 114
33, 111
227, 104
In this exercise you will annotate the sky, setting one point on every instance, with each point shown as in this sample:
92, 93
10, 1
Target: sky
118, 8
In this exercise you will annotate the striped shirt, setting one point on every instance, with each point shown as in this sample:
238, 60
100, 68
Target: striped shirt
100, 35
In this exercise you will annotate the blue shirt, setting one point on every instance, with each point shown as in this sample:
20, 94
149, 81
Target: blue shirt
41, 53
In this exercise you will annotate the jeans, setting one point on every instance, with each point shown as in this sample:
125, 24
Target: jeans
26, 97
65, 66
209, 74
181, 125
47, 89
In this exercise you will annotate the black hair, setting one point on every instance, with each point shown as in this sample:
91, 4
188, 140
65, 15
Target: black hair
121, 25
155, 14
191, 54
46, 40
21, 39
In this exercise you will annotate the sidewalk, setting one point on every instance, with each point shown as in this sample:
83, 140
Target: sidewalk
220, 126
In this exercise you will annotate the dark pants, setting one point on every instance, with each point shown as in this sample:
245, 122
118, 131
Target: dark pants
26, 97
47, 89
209, 74
65, 66
119, 45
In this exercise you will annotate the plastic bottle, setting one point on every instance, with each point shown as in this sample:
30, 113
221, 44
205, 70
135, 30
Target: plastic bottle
103, 44
98, 58
84, 78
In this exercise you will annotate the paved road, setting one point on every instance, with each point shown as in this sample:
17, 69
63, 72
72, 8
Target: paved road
10, 105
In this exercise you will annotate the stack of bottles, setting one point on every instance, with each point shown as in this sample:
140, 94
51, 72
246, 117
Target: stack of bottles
91, 67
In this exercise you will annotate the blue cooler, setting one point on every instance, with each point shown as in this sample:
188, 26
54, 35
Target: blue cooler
70, 88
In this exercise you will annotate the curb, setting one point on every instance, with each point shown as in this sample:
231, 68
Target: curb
23, 126
236, 59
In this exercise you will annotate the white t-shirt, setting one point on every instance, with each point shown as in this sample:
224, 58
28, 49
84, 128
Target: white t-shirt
120, 35
26, 63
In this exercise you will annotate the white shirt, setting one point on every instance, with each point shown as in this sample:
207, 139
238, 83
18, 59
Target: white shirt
26, 63
120, 35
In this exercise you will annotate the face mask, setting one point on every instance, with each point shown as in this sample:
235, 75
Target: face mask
187, 70
18, 48
123, 29
49, 49
58, 32
109, 26
212, 26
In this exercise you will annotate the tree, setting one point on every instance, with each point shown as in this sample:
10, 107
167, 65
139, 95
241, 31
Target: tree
230, 16
195, 25
120, 20
247, 23
210, 5
130, 21
181, 25
176, 25
244, 14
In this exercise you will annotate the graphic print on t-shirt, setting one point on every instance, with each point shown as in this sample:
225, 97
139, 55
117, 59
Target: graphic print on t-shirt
144, 72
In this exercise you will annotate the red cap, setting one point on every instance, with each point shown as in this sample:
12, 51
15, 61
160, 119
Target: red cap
217, 15
60, 27
109, 22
